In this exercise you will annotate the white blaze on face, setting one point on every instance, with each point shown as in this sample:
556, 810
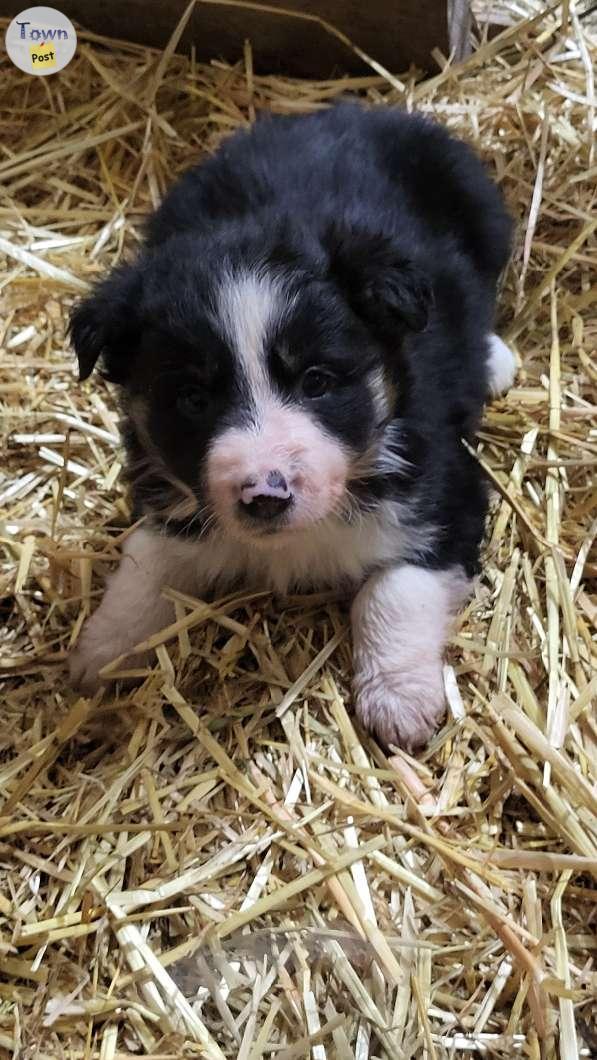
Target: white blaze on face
277, 436
248, 305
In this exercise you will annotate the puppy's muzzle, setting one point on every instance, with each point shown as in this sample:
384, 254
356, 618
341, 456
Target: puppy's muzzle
265, 497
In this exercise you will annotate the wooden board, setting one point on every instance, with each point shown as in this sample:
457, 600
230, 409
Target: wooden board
396, 33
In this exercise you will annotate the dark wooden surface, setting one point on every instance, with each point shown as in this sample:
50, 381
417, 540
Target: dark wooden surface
394, 32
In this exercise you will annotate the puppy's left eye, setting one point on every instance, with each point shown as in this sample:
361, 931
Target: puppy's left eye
316, 382
191, 402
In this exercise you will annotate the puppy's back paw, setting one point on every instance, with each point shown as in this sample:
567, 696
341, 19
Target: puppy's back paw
501, 366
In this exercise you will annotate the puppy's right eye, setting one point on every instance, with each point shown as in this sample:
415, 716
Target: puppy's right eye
191, 403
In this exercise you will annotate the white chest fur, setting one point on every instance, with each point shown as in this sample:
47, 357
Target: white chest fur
328, 555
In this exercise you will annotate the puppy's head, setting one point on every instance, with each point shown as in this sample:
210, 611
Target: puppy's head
258, 379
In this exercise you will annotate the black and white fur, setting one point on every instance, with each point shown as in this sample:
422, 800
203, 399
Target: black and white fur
302, 344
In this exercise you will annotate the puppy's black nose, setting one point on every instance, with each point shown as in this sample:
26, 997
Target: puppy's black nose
265, 496
267, 506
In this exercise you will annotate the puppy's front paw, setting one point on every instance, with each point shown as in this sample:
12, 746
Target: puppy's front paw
99, 644
400, 708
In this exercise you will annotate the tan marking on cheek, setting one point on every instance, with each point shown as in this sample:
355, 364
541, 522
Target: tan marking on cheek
383, 392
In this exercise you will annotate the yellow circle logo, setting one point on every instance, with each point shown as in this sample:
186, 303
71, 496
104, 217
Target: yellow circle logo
41, 41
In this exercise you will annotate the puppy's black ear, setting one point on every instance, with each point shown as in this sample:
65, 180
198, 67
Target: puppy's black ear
105, 325
383, 284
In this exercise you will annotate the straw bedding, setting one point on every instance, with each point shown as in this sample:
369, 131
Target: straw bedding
219, 864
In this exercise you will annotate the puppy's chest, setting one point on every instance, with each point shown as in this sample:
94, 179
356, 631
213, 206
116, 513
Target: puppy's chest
331, 555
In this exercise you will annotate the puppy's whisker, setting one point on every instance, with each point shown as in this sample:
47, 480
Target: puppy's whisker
206, 518
209, 525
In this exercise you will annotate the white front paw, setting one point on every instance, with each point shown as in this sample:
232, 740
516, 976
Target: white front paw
400, 708
100, 643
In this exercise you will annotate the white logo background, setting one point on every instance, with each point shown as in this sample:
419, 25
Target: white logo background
43, 26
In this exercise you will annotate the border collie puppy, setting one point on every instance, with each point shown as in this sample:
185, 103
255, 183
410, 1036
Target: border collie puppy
300, 347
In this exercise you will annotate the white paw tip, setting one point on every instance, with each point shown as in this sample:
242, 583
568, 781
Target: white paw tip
94, 651
401, 713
